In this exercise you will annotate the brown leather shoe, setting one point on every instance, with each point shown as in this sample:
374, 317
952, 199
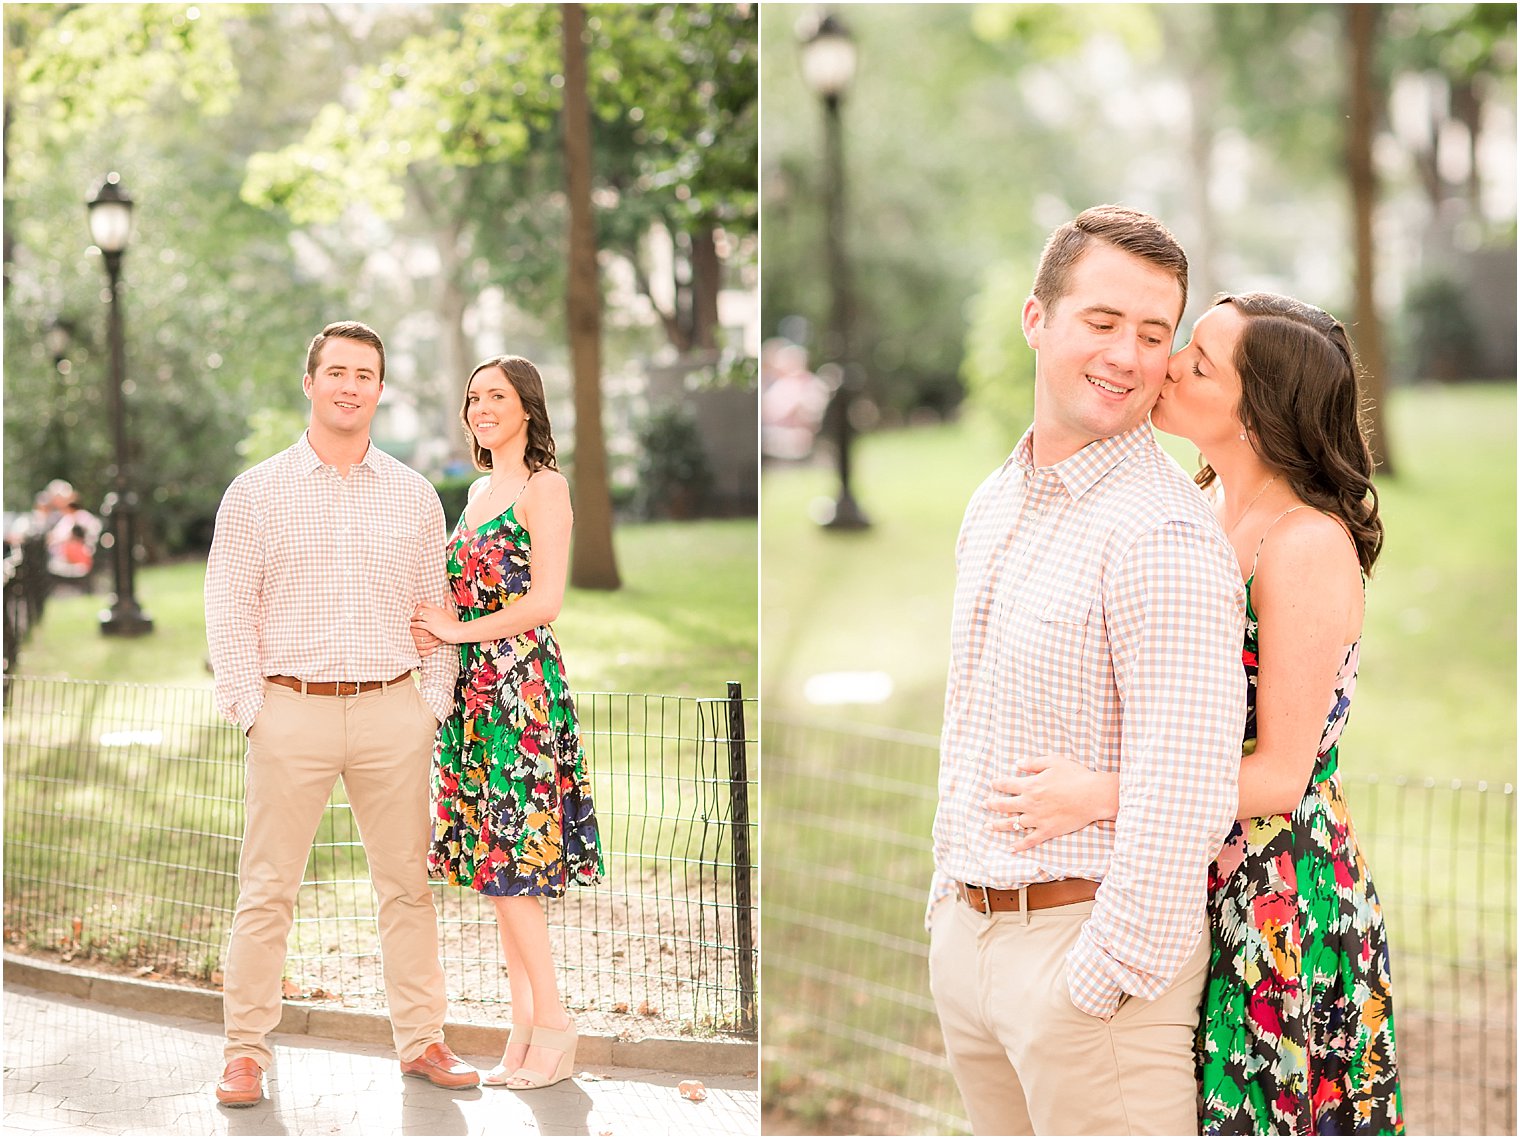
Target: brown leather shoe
441, 1068
242, 1083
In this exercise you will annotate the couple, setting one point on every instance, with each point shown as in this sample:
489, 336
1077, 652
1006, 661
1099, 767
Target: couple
326, 587
1140, 925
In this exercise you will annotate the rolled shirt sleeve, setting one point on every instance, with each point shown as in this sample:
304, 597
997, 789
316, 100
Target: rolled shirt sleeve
1174, 615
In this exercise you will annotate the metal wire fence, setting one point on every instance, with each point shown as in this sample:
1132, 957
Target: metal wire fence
123, 826
851, 1043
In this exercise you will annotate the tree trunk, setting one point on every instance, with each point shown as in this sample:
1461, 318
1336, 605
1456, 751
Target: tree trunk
1467, 109
706, 280
593, 562
9, 236
1361, 27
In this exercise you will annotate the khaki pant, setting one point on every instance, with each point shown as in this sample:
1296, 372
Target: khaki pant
1027, 1061
380, 744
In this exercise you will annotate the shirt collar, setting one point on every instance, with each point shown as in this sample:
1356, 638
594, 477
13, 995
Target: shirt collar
1080, 472
307, 459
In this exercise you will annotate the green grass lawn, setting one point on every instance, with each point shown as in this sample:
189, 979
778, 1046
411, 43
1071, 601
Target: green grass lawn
683, 624
1436, 695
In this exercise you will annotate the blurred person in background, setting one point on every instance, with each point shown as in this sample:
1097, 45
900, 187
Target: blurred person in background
37, 521
72, 539
47, 508
1296, 1034
793, 400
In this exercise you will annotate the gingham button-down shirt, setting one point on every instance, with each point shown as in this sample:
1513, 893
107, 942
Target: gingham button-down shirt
316, 576
1098, 612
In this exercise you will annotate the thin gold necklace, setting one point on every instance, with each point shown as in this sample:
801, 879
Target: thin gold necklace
1236, 524
495, 486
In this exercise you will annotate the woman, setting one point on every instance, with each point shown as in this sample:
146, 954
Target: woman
511, 796
1296, 1031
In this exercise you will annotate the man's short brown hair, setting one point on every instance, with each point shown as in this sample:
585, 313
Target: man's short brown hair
345, 330
1125, 229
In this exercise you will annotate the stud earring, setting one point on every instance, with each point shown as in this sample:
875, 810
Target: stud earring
1242, 436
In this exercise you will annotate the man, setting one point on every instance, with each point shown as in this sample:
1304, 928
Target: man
320, 556
1098, 613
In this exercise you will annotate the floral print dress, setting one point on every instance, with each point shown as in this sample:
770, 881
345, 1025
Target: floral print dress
1296, 1032
511, 796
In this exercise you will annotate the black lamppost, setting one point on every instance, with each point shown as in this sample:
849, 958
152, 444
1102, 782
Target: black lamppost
58, 337
828, 65
110, 227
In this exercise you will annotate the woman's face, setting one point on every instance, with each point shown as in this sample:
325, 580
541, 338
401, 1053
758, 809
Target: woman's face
494, 410
1201, 397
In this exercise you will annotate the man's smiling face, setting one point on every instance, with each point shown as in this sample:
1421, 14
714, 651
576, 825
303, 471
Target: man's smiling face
345, 391
1101, 350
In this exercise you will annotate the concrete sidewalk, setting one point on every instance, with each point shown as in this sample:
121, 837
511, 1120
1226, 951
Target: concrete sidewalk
74, 1066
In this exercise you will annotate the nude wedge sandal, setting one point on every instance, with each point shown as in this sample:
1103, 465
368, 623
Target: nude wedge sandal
498, 1076
562, 1039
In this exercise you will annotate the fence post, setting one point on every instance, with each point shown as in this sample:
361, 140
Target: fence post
738, 813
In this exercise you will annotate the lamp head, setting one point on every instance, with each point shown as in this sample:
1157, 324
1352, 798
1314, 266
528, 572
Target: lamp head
110, 215
828, 56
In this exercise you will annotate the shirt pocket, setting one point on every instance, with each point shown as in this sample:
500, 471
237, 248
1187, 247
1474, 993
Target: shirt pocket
389, 557
1056, 635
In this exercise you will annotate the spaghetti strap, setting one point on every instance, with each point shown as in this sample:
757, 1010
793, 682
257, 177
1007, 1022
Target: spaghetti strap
1257, 557
520, 491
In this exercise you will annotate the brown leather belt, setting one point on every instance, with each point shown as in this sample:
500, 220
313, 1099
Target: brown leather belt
334, 687
1040, 896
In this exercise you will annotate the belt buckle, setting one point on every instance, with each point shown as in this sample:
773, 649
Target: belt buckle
338, 690
986, 901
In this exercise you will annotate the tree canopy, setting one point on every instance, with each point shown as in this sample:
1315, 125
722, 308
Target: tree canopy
972, 130
293, 164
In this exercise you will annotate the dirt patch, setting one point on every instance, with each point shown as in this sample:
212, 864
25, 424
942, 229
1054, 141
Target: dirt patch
1458, 1077
632, 963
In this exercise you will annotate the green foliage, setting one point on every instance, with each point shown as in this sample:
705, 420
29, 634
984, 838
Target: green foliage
270, 431
674, 90
461, 120
1441, 337
945, 168
1045, 32
999, 364
673, 470
83, 68
420, 106
732, 369
217, 308
454, 493
971, 131
1462, 41
440, 117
